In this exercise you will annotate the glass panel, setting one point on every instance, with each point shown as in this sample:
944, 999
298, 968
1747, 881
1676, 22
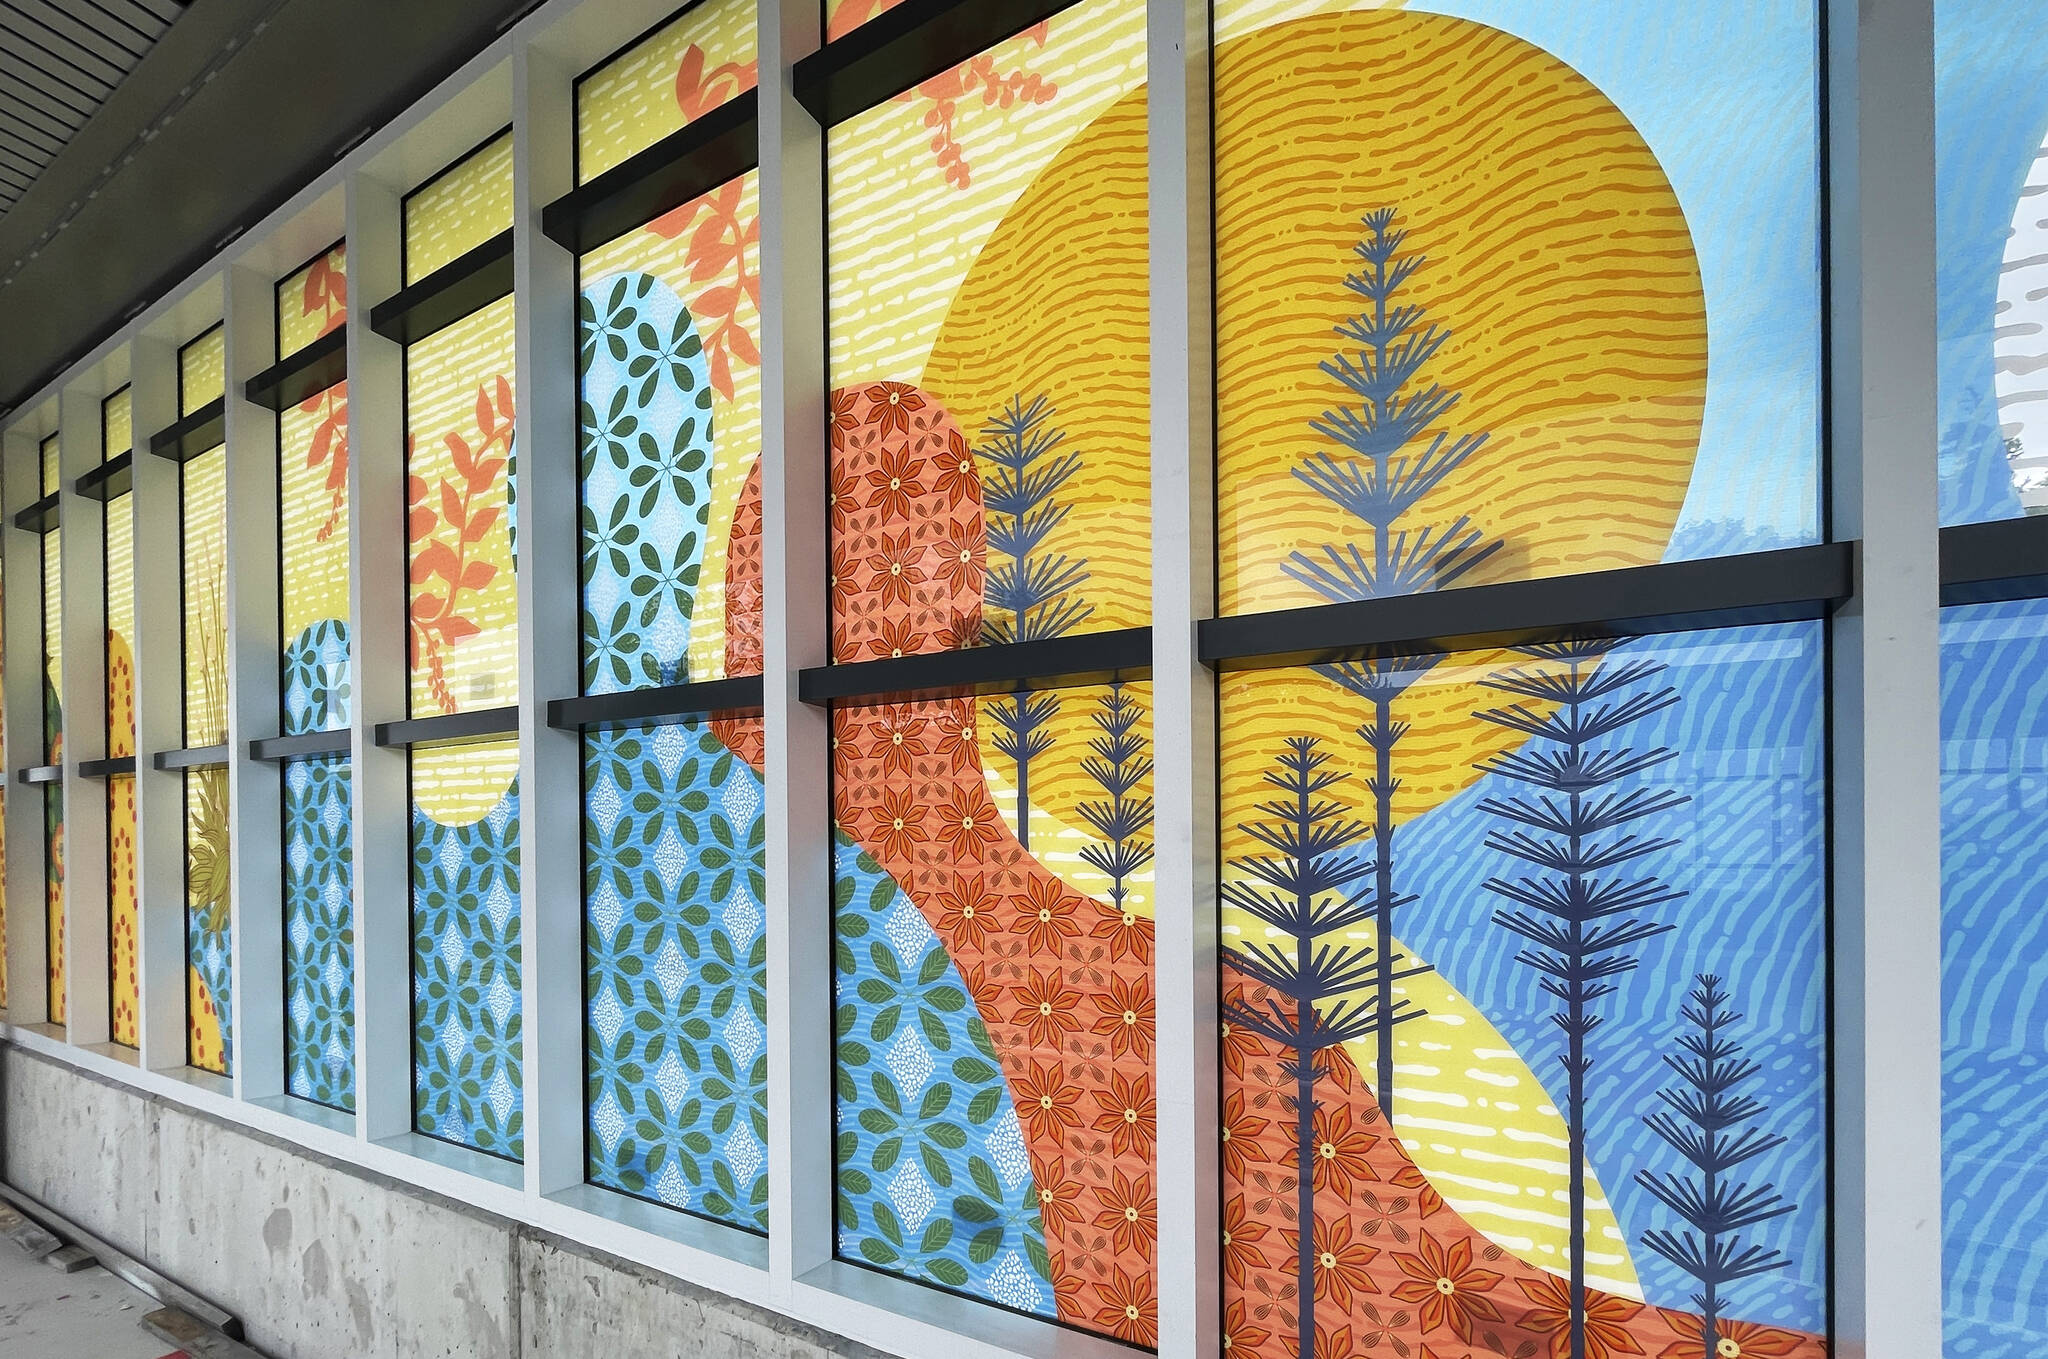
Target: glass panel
203, 491
53, 743
1991, 124
123, 904
703, 57
117, 425
988, 339
993, 921
458, 210
468, 1069
319, 932
671, 442
462, 525
203, 498
312, 302
209, 961
313, 568
676, 954
1447, 880
843, 16
202, 371
1994, 960
1446, 356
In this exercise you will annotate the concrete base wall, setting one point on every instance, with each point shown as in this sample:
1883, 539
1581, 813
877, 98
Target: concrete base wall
321, 1261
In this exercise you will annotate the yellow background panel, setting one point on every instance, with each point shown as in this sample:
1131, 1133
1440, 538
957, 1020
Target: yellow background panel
204, 497
700, 59
313, 523
458, 785
117, 425
312, 302
202, 371
206, 904
53, 643
120, 559
459, 211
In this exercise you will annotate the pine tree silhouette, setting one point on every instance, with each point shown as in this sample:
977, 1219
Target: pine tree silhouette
1029, 597
1701, 1124
1379, 482
1579, 918
1320, 981
1119, 762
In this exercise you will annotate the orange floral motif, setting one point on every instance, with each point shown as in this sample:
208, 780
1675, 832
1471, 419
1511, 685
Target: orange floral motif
1241, 1236
1732, 1339
997, 88
1046, 917
1127, 1018
1129, 1214
325, 294
1128, 1309
1447, 1288
1608, 1318
1340, 1151
1239, 1333
1045, 1008
451, 560
1128, 1113
1048, 1103
1340, 1262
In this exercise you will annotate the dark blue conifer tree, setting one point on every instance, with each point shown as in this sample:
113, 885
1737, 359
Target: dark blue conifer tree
1579, 918
1031, 596
1320, 982
1119, 761
1378, 482
1701, 1124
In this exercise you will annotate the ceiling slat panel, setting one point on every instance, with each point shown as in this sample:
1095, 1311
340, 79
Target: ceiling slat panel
24, 103
57, 54
59, 60
124, 23
99, 49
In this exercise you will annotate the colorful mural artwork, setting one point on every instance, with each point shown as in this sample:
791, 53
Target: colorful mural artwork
316, 688
990, 484
463, 609
1994, 1054
674, 834
123, 901
52, 547
1470, 900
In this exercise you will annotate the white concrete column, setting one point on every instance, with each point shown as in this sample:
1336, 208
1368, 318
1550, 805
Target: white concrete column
1887, 749
377, 666
88, 1018
794, 636
21, 578
255, 788
550, 762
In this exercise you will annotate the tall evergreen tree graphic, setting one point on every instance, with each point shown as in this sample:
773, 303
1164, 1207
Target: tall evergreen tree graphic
1578, 917
1704, 1123
1319, 983
1387, 468
1119, 761
1031, 596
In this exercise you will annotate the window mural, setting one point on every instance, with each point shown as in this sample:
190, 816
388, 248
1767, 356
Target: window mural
315, 681
202, 499
1991, 126
674, 833
462, 530
1430, 372
987, 300
687, 66
48, 460
994, 1003
123, 903
843, 16
468, 1068
1994, 1026
1468, 901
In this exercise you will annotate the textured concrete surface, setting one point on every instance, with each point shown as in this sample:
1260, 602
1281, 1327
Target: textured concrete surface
321, 1262
88, 1315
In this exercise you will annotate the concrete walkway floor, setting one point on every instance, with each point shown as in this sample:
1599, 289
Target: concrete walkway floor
47, 1314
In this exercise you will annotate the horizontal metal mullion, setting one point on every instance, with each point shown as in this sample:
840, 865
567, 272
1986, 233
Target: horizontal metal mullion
200, 432
1757, 587
40, 517
191, 757
462, 287
449, 728
111, 480
1985, 563
309, 372
39, 773
1058, 662
304, 745
112, 767
739, 694
680, 168
905, 46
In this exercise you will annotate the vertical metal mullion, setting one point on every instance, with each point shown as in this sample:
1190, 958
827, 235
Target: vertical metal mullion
1886, 682
28, 999
1183, 690
88, 1019
794, 635
550, 761
159, 711
254, 648
377, 671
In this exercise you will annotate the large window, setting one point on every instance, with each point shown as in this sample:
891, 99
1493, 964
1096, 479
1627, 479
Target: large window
48, 459
124, 902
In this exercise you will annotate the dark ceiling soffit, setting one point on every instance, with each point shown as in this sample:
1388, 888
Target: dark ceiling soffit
110, 480
1059, 662
905, 46
40, 517
1988, 563
449, 729
200, 432
462, 287
306, 745
1757, 587
735, 697
309, 372
680, 168
289, 186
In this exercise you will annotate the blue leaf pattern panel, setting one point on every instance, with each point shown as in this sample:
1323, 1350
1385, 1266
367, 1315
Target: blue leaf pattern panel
316, 679
934, 1179
319, 932
676, 981
468, 1067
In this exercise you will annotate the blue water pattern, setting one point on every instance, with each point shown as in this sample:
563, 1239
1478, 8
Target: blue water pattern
319, 931
676, 952
1994, 979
